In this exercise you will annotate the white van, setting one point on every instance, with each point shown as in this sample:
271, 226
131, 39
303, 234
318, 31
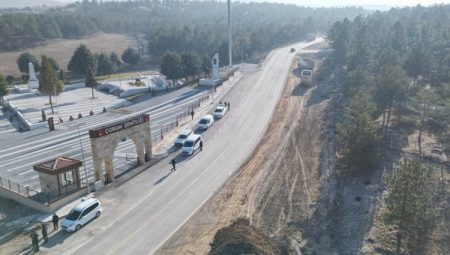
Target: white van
205, 122
184, 134
81, 215
191, 144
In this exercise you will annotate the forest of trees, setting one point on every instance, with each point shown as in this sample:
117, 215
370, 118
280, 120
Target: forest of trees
172, 25
394, 69
396, 57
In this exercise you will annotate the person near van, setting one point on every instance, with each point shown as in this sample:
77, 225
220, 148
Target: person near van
228, 106
201, 145
55, 220
44, 232
192, 114
34, 240
173, 165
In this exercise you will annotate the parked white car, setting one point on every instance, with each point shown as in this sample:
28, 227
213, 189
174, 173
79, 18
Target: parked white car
205, 122
219, 111
184, 134
81, 214
191, 144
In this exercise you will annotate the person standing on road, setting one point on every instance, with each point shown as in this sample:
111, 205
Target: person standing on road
201, 145
192, 113
55, 220
44, 232
173, 165
229, 108
35, 240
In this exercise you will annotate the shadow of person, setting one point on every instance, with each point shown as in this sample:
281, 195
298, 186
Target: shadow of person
162, 178
56, 239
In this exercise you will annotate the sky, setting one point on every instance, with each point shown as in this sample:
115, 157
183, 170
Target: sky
374, 4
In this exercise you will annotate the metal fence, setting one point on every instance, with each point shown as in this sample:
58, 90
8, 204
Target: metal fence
180, 117
22, 190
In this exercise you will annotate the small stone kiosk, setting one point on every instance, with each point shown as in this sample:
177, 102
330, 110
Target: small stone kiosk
59, 176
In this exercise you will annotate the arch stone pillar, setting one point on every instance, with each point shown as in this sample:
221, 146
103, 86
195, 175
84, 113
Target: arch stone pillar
104, 141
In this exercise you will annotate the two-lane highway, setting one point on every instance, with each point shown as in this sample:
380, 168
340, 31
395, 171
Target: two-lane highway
140, 215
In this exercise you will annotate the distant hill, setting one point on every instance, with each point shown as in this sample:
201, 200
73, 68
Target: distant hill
28, 3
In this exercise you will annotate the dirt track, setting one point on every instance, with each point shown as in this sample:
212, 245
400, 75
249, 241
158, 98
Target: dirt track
277, 186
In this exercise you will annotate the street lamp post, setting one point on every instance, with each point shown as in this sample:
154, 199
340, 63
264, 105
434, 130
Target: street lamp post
230, 53
56, 100
84, 163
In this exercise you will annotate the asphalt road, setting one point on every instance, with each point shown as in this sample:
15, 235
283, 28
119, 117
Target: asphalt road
19, 151
142, 214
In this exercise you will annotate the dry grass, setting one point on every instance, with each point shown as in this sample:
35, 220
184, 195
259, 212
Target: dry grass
62, 49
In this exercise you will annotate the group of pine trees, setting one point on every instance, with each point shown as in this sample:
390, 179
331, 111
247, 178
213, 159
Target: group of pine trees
396, 68
176, 26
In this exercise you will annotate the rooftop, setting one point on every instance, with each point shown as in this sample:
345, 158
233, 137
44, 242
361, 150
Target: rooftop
57, 165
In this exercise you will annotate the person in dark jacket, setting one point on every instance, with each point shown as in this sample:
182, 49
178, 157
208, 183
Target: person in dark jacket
173, 165
55, 220
201, 145
44, 232
35, 240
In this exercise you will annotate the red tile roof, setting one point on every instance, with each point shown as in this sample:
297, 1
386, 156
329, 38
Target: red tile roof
57, 165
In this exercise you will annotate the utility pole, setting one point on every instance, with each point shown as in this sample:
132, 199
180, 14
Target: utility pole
230, 53
84, 162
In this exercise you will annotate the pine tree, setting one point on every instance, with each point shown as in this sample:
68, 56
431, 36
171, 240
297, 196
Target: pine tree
91, 81
407, 201
82, 60
3, 88
357, 134
172, 66
391, 90
48, 82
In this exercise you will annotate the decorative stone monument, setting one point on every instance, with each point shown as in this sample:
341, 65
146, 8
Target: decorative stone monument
33, 82
215, 66
214, 80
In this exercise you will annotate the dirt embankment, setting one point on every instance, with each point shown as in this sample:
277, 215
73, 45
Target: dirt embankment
277, 188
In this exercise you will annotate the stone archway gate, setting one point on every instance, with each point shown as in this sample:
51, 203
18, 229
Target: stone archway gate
104, 141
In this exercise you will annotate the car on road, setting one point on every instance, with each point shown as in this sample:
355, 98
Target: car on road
191, 144
81, 214
219, 111
205, 122
292, 50
182, 137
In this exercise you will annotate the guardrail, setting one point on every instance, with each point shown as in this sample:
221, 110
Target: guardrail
180, 117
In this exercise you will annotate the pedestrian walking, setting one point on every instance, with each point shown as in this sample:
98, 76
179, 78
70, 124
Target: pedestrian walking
44, 232
229, 107
201, 145
35, 240
173, 165
55, 220
192, 113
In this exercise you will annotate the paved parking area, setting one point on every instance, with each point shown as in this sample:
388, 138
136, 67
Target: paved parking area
70, 102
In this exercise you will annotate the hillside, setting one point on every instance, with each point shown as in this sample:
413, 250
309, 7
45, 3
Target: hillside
62, 49
28, 3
